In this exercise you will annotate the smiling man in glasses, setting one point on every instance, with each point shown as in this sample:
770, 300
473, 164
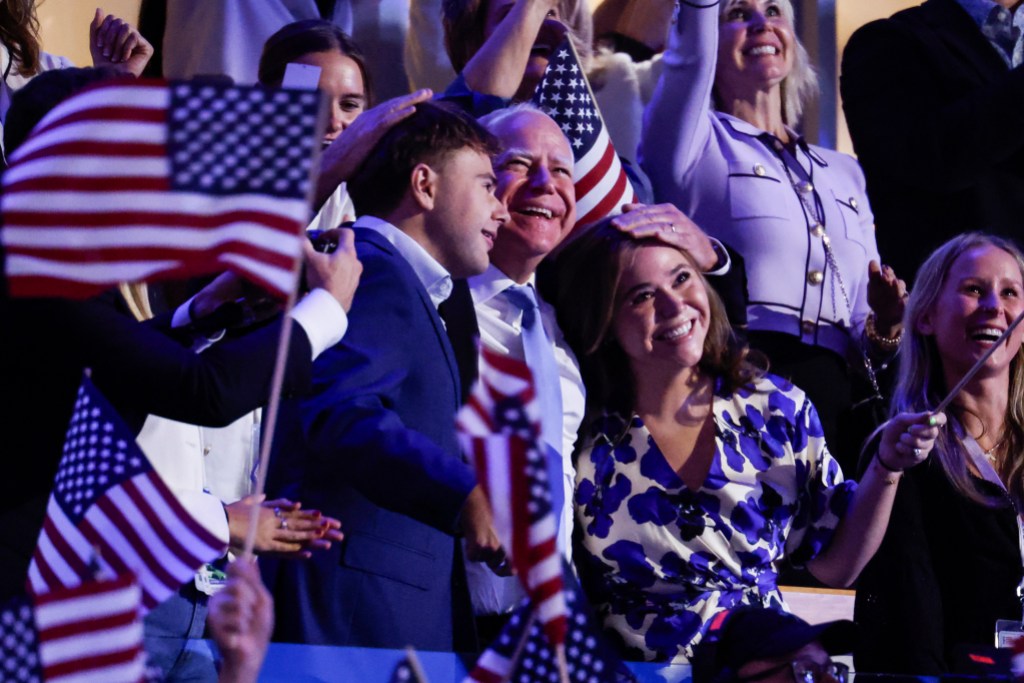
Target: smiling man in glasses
750, 644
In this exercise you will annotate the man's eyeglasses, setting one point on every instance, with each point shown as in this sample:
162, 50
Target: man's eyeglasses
806, 672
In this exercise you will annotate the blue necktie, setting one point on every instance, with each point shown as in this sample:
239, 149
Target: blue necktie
540, 357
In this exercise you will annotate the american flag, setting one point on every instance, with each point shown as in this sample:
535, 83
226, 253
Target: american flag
564, 93
129, 181
521, 654
499, 428
110, 513
88, 634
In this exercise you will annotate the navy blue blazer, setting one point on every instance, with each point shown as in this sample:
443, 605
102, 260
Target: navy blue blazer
374, 445
934, 114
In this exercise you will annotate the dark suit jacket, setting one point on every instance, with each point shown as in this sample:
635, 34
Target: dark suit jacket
935, 114
375, 446
45, 345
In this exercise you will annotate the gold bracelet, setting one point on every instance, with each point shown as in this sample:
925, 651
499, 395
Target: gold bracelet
888, 344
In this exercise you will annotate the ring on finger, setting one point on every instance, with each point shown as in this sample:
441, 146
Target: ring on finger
917, 452
284, 523
672, 227
277, 512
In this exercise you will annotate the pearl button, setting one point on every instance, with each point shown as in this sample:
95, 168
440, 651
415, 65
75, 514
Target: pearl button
759, 170
818, 230
815, 277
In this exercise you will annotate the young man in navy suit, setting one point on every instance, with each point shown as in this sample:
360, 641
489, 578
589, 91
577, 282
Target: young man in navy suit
374, 445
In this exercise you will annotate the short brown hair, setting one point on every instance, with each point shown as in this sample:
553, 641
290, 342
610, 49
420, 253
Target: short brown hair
433, 132
589, 271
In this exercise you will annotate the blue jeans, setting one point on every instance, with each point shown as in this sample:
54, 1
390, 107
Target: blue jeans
173, 637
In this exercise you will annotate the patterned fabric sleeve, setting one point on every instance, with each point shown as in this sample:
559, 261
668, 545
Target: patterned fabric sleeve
823, 494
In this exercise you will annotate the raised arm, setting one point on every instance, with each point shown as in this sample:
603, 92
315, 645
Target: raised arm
677, 122
906, 440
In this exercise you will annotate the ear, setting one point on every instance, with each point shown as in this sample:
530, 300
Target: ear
924, 324
423, 186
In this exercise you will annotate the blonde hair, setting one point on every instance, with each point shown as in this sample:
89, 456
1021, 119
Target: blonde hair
921, 384
801, 85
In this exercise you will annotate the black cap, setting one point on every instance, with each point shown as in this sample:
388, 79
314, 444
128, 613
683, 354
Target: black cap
745, 634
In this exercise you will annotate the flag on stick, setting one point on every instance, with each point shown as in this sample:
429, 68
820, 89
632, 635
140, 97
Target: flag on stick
499, 428
522, 653
564, 93
88, 634
138, 180
110, 513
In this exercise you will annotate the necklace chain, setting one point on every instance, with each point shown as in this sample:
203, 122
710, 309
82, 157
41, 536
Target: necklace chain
814, 214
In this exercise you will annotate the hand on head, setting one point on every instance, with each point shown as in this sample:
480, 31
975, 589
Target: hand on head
347, 153
338, 273
115, 43
670, 225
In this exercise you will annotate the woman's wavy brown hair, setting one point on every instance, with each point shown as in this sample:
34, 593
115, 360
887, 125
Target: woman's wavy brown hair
588, 273
19, 32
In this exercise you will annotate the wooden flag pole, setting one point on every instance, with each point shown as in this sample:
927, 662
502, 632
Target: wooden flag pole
270, 417
414, 663
277, 381
978, 365
563, 665
522, 643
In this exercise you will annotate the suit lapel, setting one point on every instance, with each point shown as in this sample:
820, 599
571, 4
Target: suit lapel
961, 36
381, 242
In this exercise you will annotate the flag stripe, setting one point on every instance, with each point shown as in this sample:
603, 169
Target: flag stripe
128, 540
103, 219
117, 552
613, 200
175, 542
181, 525
590, 180
91, 148
63, 672
155, 254
72, 183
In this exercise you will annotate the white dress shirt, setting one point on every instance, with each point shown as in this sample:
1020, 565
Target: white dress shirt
429, 272
500, 323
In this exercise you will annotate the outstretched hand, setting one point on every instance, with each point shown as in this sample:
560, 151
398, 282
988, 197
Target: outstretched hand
668, 224
115, 43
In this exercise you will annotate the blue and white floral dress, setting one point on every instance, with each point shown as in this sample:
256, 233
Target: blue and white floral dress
659, 560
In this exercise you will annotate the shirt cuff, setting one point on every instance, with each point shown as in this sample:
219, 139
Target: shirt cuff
181, 318
322, 318
724, 263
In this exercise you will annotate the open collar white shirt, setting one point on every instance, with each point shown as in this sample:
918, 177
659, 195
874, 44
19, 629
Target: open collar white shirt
500, 322
435, 279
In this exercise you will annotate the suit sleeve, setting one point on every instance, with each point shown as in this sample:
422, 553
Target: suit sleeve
143, 371
904, 126
350, 422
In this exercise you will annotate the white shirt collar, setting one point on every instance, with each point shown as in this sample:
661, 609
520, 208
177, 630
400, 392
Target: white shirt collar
434, 278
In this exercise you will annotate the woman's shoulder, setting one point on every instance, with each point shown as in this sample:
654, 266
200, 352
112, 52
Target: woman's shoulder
840, 161
764, 389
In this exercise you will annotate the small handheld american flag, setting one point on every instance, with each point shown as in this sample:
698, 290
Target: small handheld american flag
499, 428
88, 634
136, 180
564, 93
110, 514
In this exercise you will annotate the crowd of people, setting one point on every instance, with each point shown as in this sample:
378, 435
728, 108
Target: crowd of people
740, 375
